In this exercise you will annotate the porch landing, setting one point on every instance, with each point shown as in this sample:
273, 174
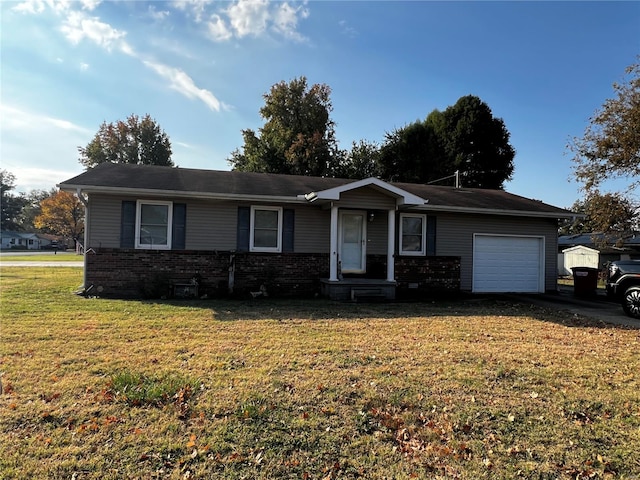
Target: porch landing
358, 290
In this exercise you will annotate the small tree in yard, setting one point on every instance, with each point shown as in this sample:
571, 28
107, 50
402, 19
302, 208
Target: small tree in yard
61, 214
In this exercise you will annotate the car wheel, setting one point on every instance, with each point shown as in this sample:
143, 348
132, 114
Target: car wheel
631, 302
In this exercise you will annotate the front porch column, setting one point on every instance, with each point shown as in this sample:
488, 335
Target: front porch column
391, 236
333, 258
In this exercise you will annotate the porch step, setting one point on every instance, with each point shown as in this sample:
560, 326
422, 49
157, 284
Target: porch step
368, 294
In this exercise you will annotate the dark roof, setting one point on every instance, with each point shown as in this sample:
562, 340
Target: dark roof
601, 240
114, 177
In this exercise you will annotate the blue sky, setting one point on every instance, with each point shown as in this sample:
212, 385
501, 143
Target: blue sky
200, 69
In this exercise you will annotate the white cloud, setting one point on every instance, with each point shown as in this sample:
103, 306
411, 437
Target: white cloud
78, 26
30, 6
248, 17
157, 15
14, 118
286, 20
90, 4
196, 8
84, 66
253, 18
184, 84
218, 29
43, 163
59, 6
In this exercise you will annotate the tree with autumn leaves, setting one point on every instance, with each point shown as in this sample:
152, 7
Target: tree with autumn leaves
610, 149
134, 140
61, 214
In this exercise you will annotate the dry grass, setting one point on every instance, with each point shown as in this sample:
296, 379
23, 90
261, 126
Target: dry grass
481, 388
47, 257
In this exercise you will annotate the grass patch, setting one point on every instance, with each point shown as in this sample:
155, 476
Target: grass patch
138, 389
482, 388
61, 257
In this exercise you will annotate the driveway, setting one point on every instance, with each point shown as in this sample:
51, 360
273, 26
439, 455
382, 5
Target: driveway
597, 307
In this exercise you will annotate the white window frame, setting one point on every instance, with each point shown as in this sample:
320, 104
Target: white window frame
252, 247
423, 250
169, 206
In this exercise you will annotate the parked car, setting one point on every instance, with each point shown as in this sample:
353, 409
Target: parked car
623, 285
54, 246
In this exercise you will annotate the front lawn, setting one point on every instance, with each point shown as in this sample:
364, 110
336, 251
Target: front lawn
40, 257
481, 388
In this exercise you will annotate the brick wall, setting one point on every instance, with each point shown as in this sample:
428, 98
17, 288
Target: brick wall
150, 273
427, 275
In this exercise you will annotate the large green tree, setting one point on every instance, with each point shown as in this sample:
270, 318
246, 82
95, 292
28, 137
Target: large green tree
11, 204
607, 213
413, 153
134, 140
475, 143
362, 161
610, 145
465, 137
298, 135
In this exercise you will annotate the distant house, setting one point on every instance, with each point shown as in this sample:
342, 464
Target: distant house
240, 233
22, 241
610, 247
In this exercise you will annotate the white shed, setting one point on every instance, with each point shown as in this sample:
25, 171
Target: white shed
578, 256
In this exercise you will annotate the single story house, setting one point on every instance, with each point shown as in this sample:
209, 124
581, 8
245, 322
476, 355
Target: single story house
22, 240
160, 230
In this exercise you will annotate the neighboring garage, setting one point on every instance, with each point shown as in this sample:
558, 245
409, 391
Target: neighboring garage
506, 263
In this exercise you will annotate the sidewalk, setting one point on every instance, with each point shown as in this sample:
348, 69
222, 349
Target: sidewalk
597, 307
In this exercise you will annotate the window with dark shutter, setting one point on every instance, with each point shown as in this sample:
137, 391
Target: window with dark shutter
178, 241
243, 227
288, 229
128, 224
431, 235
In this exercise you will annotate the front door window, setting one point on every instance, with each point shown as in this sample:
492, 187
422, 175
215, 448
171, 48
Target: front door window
352, 242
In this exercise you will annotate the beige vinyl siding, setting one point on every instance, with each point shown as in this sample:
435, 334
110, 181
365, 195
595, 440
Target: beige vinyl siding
366, 198
211, 225
312, 230
104, 222
454, 236
377, 234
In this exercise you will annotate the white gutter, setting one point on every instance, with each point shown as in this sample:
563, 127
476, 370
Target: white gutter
179, 194
492, 211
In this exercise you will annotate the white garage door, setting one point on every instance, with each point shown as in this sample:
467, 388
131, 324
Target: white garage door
503, 263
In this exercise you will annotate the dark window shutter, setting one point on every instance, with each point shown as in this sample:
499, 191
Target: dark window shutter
431, 235
128, 224
288, 225
244, 222
179, 227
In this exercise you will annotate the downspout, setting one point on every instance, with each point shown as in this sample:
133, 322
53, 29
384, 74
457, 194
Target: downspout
391, 236
85, 202
232, 273
333, 247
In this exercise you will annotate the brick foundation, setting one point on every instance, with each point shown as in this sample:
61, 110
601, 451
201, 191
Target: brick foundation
151, 273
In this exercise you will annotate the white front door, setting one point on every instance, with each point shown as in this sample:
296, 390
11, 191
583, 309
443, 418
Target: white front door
352, 241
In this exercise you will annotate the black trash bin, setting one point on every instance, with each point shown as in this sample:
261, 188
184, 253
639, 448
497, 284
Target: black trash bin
585, 281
